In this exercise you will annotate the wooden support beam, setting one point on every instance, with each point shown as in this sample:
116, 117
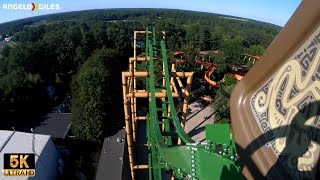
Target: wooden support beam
132, 87
147, 95
146, 74
128, 125
141, 118
141, 166
139, 59
185, 105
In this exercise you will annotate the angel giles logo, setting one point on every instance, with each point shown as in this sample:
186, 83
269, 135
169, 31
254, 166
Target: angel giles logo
32, 6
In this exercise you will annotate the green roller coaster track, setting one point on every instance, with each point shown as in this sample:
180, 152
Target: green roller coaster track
215, 159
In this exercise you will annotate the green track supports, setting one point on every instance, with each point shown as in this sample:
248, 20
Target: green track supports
216, 159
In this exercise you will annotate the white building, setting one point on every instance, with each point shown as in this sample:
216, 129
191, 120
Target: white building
46, 158
8, 38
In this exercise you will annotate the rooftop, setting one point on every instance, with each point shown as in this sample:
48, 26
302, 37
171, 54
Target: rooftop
112, 157
50, 123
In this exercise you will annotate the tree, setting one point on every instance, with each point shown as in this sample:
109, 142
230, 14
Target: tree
81, 55
256, 50
217, 37
93, 93
233, 50
222, 66
21, 93
205, 40
216, 41
192, 35
222, 99
88, 103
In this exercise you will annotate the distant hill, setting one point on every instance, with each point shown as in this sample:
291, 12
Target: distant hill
118, 14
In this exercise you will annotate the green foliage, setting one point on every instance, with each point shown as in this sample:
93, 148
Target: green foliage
217, 37
229, 80
256, 50
256, 37
205, 39
20, 92
233, 50
222, 99
92, 97
222, 66
191, 52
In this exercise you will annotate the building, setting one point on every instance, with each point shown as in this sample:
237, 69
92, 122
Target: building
8, 38
47, 162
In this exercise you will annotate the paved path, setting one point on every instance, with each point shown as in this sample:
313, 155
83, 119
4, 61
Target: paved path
197, 118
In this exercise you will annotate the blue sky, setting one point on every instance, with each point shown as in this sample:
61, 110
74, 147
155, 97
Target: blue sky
273, 11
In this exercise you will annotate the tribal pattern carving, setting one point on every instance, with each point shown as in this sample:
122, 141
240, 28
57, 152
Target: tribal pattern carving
287, 110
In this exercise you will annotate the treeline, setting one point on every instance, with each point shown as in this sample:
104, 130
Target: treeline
83, 53
124, 14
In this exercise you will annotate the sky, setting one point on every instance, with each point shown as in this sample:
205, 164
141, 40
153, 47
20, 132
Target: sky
273, 11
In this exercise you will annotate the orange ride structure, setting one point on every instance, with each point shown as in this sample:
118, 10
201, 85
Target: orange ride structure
212, 67
208, 74
237, 75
